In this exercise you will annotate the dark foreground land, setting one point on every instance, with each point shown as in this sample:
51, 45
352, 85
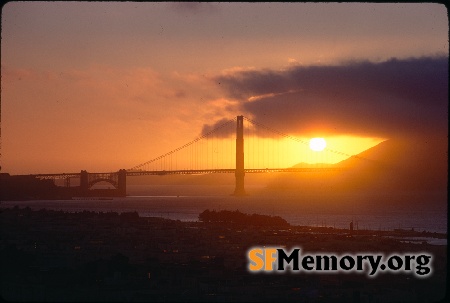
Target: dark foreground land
55, 256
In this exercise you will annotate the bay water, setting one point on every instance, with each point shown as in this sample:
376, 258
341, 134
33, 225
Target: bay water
375, 211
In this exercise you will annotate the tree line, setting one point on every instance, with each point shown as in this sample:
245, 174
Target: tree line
227, 216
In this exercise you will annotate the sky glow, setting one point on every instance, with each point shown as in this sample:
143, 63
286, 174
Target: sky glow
108, 85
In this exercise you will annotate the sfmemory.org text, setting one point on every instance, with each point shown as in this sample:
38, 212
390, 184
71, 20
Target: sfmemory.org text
278, 260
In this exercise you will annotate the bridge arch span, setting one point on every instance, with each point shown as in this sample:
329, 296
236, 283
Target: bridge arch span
98, 180
116, 179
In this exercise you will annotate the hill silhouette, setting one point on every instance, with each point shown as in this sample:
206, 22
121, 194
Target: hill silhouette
418, 164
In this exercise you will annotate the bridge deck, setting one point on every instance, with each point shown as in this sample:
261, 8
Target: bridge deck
194, 172
232, 170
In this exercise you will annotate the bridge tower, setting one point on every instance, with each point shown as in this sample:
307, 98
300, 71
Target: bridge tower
84, 182
122, 182
240, 173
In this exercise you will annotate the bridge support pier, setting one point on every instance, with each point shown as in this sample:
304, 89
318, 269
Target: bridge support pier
240, 172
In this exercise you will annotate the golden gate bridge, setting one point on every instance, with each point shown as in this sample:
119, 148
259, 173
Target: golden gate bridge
256, 148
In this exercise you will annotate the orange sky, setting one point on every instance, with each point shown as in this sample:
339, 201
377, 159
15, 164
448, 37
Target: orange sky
104, 86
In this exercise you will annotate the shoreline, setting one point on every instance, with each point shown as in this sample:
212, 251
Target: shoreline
396, 234
366, 216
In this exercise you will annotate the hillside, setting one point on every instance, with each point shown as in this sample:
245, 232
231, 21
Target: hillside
393, 165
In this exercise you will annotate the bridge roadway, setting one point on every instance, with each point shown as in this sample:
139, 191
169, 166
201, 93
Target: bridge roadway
194, 172
229, 170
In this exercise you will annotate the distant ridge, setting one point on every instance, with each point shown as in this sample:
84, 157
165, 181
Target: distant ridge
396, 164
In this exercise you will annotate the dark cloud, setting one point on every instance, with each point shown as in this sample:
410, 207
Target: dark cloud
222, 128
386, 99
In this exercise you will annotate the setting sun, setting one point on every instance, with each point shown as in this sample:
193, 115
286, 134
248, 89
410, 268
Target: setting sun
317, 144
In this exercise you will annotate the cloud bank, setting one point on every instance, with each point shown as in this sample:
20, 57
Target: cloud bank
386, 99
